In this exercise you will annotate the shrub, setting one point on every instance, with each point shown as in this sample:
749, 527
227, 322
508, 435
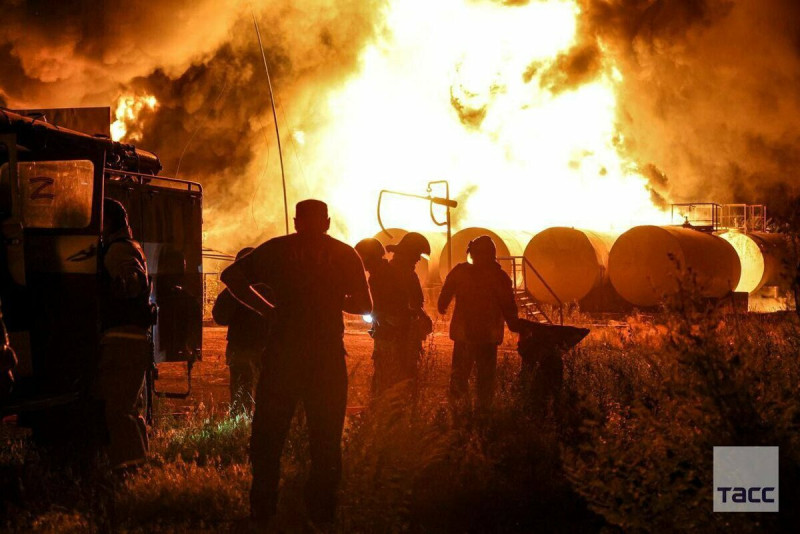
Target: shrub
644, 460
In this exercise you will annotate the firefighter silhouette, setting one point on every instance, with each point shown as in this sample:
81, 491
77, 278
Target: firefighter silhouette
125, 355
247, 333
484, 301
399, 322
313, 278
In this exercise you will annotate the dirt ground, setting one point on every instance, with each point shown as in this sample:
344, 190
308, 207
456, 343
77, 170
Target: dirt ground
210, 378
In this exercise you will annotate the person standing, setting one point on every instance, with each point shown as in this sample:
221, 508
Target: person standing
399, 321
484, 301
247, 332
313, 278
125, 353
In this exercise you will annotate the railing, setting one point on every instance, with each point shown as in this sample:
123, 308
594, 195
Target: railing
712, 217
703, 216
518, 265
142, 178
744, 217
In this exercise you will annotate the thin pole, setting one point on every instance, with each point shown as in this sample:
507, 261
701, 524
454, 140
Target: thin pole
275, 118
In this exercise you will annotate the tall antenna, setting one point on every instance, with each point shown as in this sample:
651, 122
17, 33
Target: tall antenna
275, 118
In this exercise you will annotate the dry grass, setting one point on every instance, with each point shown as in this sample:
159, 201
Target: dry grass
630, 448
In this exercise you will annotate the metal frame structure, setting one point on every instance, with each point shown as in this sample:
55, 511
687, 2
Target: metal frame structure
518, 264
445, 201
744, 217
710, 215
715, 217
147, 179
55, 269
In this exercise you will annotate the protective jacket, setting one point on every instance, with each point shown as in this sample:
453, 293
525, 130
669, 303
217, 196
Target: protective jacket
484, 300
247, 330
397, 303
125, 291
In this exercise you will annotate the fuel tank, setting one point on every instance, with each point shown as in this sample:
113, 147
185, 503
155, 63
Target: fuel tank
646, 263
571, 261
508, 243
763, 257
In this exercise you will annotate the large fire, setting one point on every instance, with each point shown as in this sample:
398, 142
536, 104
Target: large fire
126, 114
455, 91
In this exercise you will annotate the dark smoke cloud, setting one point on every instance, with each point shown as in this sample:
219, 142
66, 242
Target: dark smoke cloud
708, 105
579, 65
710, 96
201, 61
72, 51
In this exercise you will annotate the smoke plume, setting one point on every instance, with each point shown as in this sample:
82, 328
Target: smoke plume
709, 105
200, 59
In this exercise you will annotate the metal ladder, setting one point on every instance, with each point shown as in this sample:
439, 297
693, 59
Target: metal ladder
528, 305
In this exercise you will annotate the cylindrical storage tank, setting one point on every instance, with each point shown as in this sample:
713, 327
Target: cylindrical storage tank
572, 262
508, 243
646, 263
426, 268
763, 259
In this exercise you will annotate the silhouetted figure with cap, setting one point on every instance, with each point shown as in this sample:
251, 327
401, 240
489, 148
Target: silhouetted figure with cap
126, 316
484, 301
399, 323
313, 278
247, 335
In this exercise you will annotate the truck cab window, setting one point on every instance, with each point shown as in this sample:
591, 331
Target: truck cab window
55, 194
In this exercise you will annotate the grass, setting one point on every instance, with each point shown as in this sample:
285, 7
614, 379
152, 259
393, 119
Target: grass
630, 449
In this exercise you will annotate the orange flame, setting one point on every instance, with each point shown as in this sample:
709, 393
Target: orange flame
127, 112
455, 90
535, 158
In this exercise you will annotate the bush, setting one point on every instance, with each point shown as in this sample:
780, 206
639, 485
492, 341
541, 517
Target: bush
644, 459
202, 438
182, 496
627, 446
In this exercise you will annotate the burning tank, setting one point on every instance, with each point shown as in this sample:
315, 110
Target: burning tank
763, 258
647, 263
572, 262
508, 243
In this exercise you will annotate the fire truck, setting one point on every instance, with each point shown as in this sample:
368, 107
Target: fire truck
52, 184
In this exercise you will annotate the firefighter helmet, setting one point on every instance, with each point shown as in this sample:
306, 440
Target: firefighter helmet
413, 244
482, 246
370, 250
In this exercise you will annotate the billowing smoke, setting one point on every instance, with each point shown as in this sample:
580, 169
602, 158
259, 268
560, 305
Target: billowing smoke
707, 105
710, 101
200, 59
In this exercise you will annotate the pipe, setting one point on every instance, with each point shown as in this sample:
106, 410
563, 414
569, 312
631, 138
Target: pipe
647, 263
572, 261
